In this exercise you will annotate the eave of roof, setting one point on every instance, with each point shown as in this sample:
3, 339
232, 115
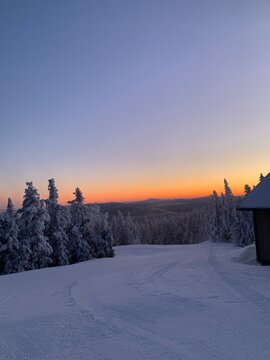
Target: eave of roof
258, 198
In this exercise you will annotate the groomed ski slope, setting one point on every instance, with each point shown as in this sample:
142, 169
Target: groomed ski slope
190, 302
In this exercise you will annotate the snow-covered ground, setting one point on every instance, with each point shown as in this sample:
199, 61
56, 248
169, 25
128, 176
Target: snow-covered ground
190, 302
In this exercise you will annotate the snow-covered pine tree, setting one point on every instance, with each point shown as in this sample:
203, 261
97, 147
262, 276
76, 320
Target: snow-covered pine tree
106, 236
228, 191
243, 229
53, 192
2, 265
101, 245
229, 212
97, 231
56, 227
35, 248
215, 218
79, 249
100, 238
93, 220
247, 189
227, 224
78, 198
10, 245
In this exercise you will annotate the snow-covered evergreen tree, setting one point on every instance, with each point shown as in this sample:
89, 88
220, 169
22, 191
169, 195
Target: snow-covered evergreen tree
215, 218
53, 192
79, 249
97, 231
56, 228
247, 189
101, 245
9, 249
35, 248
243, 230
229, 212
78, 197
2, 265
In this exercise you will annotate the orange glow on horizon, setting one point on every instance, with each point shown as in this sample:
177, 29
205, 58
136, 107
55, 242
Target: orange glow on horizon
141, 189
125, 196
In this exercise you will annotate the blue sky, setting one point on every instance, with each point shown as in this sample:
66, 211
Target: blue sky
133, 99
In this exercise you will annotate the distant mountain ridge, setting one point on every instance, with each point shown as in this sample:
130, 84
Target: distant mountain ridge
154, 206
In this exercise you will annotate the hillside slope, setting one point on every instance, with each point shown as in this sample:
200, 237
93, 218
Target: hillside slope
190, 302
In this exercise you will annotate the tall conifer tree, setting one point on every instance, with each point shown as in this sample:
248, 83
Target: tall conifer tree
10, 246
33, 217
56, 229
79, 247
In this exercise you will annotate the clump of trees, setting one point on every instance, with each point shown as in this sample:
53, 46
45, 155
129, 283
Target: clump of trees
219, 221
183, 228
225, 223
44, 233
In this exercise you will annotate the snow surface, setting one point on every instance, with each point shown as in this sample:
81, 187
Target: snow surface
191, 302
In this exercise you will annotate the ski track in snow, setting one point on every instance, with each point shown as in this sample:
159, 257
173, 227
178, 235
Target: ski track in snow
191, 302
258, 302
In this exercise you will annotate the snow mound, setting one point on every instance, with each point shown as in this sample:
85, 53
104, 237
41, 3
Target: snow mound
247, 256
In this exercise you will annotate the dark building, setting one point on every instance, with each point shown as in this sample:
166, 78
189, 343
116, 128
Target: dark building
258, 201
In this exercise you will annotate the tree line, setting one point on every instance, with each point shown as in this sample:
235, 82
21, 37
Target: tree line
219, 221
165, 229
44, 233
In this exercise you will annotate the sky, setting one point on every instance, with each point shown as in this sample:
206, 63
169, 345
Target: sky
133, 99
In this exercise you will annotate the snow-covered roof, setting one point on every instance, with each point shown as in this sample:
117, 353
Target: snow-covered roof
259, 197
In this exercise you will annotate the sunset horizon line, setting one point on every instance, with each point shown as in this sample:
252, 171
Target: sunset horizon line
88, 201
